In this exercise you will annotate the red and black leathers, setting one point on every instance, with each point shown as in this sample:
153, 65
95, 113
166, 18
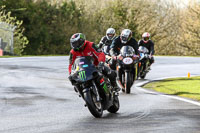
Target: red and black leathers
89, 49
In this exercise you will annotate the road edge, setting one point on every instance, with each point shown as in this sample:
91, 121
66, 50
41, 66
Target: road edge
139, 87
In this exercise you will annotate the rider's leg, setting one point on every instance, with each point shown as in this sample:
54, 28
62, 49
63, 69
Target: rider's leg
151, 62
112, 64
112, 77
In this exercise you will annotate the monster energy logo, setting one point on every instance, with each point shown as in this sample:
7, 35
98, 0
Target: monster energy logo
105, 88
82, 75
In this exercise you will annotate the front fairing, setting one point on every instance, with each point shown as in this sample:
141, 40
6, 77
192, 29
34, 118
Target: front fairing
144, 57
126, 55
83, 70
127, 51
126, 66
125, 58
143, 49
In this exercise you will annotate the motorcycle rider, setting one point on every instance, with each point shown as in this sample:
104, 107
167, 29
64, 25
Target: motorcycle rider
82, 47
149, 44
107, 40
124, 39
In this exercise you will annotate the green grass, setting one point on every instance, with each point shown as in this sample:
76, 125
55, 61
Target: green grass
7, 56
184, 87
179, 55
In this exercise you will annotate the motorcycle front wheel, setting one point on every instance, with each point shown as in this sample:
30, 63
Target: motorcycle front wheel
94, 106
115, 107
143, 75
128, 82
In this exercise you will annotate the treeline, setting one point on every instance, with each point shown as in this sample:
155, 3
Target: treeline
8, 24
49, 25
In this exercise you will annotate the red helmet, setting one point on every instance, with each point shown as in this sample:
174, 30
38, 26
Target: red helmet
146, 37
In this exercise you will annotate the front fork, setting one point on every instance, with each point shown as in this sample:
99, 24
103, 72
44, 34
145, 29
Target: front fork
96, 91
136, 69
120, 74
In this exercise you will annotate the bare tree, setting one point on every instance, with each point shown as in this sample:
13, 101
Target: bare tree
191, 29
162, 20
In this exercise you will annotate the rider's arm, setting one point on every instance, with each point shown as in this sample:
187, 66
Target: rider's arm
135, 46
152, 48
101, 43
112, 52
71, 61
113, 47
97, 52
139, 42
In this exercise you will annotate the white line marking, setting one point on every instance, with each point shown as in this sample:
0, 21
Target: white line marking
138, 86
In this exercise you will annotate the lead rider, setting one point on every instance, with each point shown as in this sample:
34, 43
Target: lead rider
82, 47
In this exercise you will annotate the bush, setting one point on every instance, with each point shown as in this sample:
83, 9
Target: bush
20, 41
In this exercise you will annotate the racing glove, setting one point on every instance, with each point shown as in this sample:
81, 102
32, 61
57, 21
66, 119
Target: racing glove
101, 66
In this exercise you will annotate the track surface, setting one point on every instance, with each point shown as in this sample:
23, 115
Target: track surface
36, 97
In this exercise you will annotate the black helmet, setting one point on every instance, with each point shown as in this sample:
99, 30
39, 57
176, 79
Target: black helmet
77, 41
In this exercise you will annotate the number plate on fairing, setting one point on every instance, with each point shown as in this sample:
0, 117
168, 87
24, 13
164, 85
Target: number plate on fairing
127, 60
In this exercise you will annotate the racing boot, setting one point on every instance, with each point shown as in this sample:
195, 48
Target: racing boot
115, 86
111, 74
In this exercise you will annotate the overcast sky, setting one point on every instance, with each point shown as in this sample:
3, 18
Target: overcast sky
180, 3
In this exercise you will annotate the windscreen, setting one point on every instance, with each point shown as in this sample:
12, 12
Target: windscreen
127, 51
143, 49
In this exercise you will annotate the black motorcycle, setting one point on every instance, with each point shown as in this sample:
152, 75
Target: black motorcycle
126, 68
144, 64
93, 87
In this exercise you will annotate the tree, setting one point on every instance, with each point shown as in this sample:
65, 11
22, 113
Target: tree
190, 29
20, 41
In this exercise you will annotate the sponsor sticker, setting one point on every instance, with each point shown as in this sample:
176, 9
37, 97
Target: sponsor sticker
85, 66
81, 63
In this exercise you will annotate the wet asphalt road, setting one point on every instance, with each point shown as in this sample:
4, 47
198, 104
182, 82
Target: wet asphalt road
36, 97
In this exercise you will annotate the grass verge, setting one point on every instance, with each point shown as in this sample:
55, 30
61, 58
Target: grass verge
184, 87
8, 56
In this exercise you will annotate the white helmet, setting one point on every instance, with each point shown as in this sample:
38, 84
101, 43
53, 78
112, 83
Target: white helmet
125, 36
146, 37
110, 33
